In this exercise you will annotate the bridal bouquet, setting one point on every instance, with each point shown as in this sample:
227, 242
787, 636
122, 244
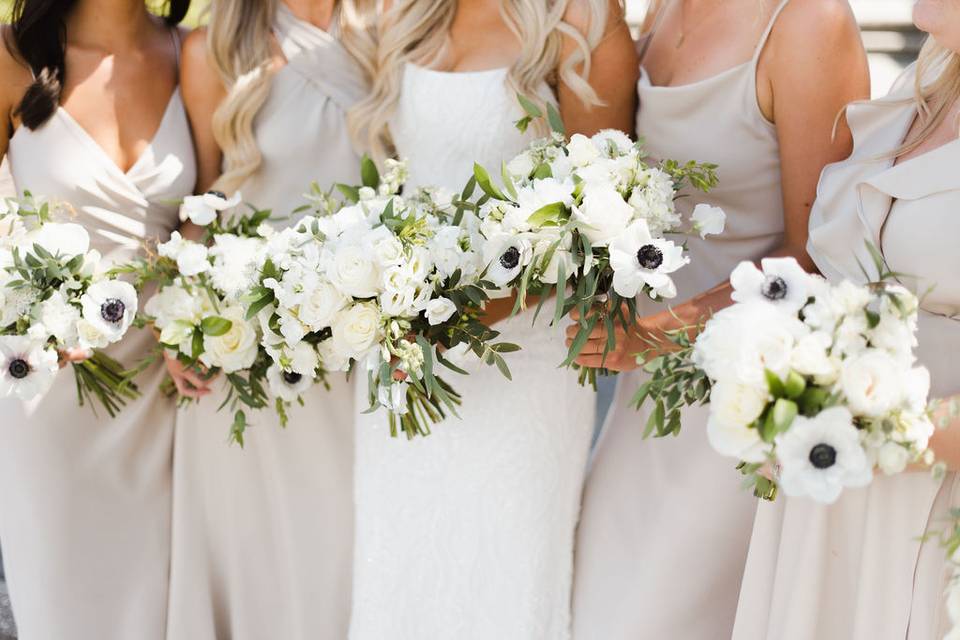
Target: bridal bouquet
198, 308
811, 385
54, 297
385, 283
592, 221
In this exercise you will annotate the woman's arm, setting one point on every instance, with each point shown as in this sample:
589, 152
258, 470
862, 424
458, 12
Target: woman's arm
813, 66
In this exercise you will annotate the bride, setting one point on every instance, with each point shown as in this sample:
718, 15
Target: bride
468, 533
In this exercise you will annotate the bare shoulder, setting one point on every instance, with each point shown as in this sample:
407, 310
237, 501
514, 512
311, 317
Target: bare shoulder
817, 23
582, 14
16, 75
194, 50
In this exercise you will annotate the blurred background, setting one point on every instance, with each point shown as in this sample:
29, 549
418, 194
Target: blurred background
888, 35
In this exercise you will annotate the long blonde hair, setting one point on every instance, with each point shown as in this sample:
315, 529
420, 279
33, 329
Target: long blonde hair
239, 40
933, 99
418, 31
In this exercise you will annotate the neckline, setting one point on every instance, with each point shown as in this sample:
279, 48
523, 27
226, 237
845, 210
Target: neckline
85, 136
491, 71
645, 76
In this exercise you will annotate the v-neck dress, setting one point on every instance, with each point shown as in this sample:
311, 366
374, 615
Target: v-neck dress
263, 536
665, 524
858, 569
85, 500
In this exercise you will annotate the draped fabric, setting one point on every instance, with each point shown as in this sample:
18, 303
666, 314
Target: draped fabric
85, 500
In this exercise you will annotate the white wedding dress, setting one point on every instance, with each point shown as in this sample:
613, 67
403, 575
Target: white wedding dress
468, 533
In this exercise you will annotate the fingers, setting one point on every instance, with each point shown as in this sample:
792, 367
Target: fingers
189, 383
399, 376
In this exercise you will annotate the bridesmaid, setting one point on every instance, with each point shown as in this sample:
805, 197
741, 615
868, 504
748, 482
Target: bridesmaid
262, 536
858, 569
93, 117
754, 87
468, 533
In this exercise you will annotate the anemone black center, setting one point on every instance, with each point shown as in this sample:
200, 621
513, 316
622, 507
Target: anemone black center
823, 456
510, 258
219, 194
774, 288
292, 377
649, 256
112, 310
19, 369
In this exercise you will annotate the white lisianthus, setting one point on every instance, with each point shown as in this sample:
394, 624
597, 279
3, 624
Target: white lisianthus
638, 259
708, 221
202, 210
603, 214
872, 383
110, 306
439, 310
27, 367
821, 456
60, 319
236, 349
356, 329
354, 272
782, 282
735, 407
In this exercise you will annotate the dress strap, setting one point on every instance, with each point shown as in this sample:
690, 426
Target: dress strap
648, 37
766, 34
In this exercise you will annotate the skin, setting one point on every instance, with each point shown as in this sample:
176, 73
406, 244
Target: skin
121, 72
812, 66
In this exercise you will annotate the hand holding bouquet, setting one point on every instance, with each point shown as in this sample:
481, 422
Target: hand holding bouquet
811, 385
55, 298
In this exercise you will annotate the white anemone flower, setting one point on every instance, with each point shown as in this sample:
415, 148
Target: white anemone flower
110, 306
203, 209
27, 368
287, 385
782, 282
821, 456
638, 259
506, 256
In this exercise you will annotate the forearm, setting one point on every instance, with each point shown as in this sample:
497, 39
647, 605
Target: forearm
945, 442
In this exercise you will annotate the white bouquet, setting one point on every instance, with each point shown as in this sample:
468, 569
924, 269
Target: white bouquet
382, 283
198, 308
811, 385
590, 220
56, 297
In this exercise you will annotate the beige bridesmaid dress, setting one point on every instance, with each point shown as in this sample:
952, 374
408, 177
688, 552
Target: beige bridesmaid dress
858, 570
263, 536
665, 524
85, 500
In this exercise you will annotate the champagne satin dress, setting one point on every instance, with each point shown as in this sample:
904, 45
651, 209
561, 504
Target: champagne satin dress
665, 524
857, 569
85, 500
263, 536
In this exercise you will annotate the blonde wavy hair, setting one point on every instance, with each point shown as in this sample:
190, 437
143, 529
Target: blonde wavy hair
933, 99
418, 31
239, 41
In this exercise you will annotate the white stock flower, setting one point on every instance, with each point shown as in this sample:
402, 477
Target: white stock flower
733, 408
356, 330
782, 282
110, 306
236, 349
203, 209
821, 456
707, 220
27, 368
638, 259
439, 310
603, 214
872, 383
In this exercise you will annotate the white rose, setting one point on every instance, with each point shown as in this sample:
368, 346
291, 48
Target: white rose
733, 408
354, 272
237, 348
708, 220
872, 383
356, 329
320, 306
439, 310
581, 150
603, 214
810, 357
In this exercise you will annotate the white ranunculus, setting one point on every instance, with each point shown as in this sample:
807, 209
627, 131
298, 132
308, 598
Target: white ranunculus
893, 458
582, 150
782, 282
356, 329
60, 318
821, 456
354, 272
110, 306
202, 210
638, 259
27, 367
60, 239
439, 310
810, 356
733, 409
603, 214
320, 305
707, 220
236, 349
872, 383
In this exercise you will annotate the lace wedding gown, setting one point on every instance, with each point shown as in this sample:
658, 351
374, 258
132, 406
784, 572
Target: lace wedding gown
468, 533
